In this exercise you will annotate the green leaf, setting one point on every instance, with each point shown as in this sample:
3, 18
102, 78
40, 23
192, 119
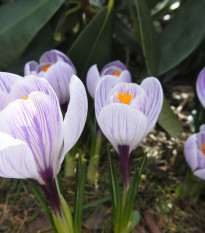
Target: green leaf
20, 22
79, 194
93, 45
169, 121
135, 219
182, 35
149, 39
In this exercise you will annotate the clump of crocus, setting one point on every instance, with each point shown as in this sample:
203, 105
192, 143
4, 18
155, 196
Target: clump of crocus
57, 69
116, 69
34, 137
126, 112
194, 151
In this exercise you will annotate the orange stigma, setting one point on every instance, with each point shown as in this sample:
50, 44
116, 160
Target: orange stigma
24, 98
117, 73
124, 98
203, 148
45, 68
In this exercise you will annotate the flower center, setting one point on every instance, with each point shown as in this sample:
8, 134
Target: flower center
124, 97
117, 73
24, 98
203, 148
45, 68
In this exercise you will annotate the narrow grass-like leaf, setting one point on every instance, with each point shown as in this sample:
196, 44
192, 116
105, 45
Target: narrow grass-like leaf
169, 121
132, 192
42, 202
93, 45
149, 38
20, 22
79, 195
182, 35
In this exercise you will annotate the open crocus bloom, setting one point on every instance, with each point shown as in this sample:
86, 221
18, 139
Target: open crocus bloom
126, 112
200, 87
57, 69
194, 151
116, 69
34, 137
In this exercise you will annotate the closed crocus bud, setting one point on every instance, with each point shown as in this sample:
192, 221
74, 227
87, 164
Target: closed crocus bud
126, 112
194, 151
115, 69
57, 69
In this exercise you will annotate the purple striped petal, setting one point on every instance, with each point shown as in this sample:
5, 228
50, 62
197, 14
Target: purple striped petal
200, 173
30, 68
101, 95
202, 128
154, 93
54, 56
24, 86
200, 87
16, 159
38, 122
139, 97
125, 76
112, 67
190, 151
92, 79
58, 76
7, 80
76, 114
122, 125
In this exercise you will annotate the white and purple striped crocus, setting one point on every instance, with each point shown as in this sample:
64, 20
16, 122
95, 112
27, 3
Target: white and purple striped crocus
116, 69
57, 69
200, 87
34, 137
194, 151
126, 112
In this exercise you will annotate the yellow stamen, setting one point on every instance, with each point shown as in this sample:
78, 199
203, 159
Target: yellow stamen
45, 68
203, 148
24, 98
117, 73
124, 98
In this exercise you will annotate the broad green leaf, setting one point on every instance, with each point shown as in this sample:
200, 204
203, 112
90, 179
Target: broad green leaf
182, 35
93, 45
41, 43
169, 121
125, 35
149, 39
20, 22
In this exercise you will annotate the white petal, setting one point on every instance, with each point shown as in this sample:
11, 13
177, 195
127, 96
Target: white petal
102, 91
125, 76
58, 76
7, 80
154, 93
92, 79
38, 122
16, 159
190, 151
200, 173
200, 86
76, 114
122, 125
30, 68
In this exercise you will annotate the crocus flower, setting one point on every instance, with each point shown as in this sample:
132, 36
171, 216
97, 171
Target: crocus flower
116, 69
57, 69
200, 87
194, 151
34, 137
126, 112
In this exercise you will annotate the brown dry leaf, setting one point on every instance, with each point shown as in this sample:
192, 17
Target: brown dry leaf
150, 223
96, 219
